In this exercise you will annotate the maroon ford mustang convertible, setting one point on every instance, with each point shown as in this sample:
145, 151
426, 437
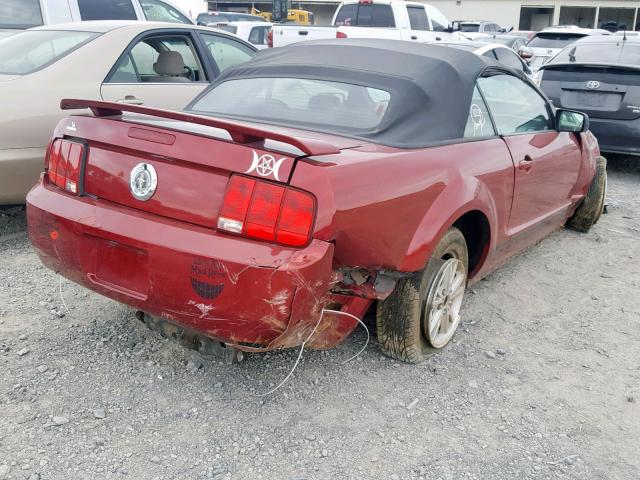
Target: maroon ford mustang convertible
326, 175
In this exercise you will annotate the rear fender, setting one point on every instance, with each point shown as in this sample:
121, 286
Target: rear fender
461, 196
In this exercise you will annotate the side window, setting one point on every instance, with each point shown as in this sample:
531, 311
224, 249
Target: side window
258, 36
158, 11
126, 72
106, 10
490, 54
478, 122
347, 15
160, 59
382, 16
509, 58
516, 107
365, 15
439, 22
226, 52
418, 18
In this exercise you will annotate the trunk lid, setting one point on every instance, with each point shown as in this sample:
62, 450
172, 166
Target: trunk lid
599, 91
192, 157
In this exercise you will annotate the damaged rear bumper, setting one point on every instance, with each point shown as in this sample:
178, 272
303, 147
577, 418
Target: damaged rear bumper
247, 294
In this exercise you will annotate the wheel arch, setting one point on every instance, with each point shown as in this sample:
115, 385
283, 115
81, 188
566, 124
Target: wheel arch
476, 230
467, 205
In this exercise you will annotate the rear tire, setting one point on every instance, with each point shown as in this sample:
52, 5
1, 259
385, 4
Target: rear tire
589, 211
422, 313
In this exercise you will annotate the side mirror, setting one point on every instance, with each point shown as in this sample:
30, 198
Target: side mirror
571, 121
526, 52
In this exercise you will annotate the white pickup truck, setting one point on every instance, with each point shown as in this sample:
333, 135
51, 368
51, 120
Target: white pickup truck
393, 19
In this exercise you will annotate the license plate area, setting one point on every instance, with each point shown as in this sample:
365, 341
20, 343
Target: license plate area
597, 101
122, 268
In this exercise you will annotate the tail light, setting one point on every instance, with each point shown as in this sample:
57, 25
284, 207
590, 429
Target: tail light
267, 211
63, 164
270, 38
341, 34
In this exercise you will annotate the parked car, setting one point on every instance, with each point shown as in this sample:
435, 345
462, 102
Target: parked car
600, 76
207, 18
392, 19
474, 28
158, 64
546, 43
327, 179
256, 33
494, 51
23, 14
514, 42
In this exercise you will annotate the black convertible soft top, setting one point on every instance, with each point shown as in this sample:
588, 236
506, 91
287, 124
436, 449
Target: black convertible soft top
430, 85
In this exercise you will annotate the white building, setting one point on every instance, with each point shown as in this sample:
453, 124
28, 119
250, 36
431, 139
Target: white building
520, 14
535, 15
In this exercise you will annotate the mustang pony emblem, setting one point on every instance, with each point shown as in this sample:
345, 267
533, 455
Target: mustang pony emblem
265, 165
593, 84
143, 181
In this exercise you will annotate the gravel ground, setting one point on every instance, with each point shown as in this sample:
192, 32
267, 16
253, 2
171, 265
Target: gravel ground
542, 381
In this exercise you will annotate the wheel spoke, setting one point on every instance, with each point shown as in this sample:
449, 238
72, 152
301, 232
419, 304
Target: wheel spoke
457, 284
438, 297
456, 294
454, 315
447, 275
436, 319
445, 322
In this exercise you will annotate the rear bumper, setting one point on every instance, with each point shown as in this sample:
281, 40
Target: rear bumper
617, 136
19, 170
247, 294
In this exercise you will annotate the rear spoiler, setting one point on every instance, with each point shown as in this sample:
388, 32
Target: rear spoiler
239, 132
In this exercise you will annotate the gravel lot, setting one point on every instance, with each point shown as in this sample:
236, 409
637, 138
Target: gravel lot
542, 381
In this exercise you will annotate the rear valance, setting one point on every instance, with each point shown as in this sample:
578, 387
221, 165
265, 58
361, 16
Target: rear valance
240, 133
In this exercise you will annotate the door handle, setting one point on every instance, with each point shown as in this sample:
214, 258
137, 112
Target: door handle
413, 37
130, 100
526, 163
303, 32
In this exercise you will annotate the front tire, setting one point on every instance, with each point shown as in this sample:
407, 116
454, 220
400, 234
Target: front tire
589, 211
423, 312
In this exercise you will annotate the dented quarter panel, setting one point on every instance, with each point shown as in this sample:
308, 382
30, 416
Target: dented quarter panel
387, 208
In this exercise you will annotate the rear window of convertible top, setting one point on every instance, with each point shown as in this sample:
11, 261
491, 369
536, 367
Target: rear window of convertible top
297, 102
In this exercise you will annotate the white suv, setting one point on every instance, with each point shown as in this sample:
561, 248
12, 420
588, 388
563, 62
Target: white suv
21, 14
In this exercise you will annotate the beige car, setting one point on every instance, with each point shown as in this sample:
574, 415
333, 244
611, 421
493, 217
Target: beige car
155, 64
